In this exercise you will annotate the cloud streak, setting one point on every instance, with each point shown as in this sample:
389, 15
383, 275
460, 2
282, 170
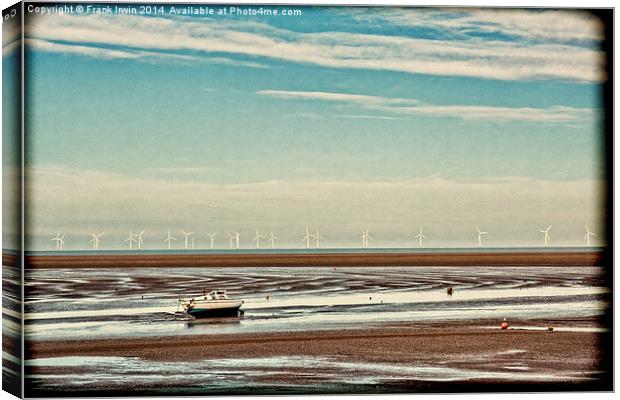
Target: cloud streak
472, 57
557, 114
560, 26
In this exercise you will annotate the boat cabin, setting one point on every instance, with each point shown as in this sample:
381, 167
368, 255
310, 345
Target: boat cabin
217, 295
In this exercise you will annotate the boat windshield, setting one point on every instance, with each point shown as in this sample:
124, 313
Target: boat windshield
218, 295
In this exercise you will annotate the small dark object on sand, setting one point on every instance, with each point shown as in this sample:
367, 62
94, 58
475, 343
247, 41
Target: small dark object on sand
449, 291
550, 327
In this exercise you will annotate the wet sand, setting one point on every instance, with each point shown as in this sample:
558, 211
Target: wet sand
437, 343
476, 347
539, 258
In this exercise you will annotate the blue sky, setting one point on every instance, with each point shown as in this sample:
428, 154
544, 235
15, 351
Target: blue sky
341, 118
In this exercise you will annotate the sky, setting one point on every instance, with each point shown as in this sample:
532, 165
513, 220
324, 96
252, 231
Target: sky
340, 119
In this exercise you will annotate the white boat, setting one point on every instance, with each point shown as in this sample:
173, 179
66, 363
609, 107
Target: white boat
212, 304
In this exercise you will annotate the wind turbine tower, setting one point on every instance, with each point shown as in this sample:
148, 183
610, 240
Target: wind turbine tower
546, 232
212, 237
272, 239
365, 237
96, 240
169, 239
187, 238
480, 233
308, 237
237, 234
257, 239
420, 236
318, 238
139, 239
131, 239
60, 241
589, 234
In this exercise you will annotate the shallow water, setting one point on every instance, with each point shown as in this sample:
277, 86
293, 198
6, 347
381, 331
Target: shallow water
74, 304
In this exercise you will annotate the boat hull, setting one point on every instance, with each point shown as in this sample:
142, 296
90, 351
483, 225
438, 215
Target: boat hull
214, 309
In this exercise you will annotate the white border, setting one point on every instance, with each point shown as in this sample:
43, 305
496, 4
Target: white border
479, 3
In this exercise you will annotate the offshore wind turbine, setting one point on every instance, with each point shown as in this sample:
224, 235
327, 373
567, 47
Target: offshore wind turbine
187, 237
480, 233
233, 239
60, 241
589, 234
131, 239
139, 239
212, 237
169, 239
365, 237
420, 236
272, 239
257, 239
96, 240
546, 232
318, 238
308, 237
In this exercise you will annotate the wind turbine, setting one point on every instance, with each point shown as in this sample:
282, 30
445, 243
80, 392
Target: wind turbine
169, 239
236, 235
420, 236
365, 237
212, 236
546, 232
318, 238
257, 239
60, 241
308, 237
589, 234
131, 239
187, 238
272, 239
480, 235
139, 239
231, 240
96, 240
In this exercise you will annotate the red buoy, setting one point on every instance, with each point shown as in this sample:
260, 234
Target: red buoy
504, 324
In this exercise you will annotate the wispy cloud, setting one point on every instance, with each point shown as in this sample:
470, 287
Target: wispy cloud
360, 116
110, 53
363, 100
558, 114
183, 170
565, 26
473, 57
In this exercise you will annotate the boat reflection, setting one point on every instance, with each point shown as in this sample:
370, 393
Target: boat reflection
198, 323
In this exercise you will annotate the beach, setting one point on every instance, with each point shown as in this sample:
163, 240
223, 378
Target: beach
473, 355
312, 330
